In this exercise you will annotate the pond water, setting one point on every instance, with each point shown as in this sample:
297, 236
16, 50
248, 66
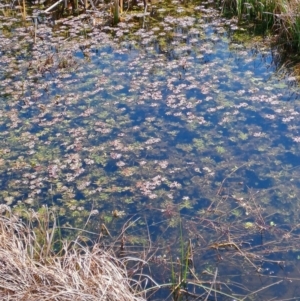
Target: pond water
178, 124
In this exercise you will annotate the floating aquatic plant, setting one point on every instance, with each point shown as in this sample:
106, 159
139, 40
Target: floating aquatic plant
156, 131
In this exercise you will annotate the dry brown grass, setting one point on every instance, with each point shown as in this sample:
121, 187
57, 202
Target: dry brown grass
30, 270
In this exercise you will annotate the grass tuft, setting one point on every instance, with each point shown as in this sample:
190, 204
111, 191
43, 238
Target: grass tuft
31, 270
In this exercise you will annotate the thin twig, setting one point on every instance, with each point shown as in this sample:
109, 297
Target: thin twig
261, 289
237, 168
212, 284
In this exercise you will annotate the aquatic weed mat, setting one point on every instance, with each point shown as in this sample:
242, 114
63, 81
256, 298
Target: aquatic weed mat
173, 119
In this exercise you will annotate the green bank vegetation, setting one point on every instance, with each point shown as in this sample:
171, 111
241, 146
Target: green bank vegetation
281, 16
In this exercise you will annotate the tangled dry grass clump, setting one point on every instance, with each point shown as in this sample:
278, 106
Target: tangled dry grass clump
31, 271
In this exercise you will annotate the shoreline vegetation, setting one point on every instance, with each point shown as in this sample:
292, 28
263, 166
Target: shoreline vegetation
39, 260
37, 265
282, 17
279, 17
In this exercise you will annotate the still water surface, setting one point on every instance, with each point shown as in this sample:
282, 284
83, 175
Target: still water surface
178, 123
